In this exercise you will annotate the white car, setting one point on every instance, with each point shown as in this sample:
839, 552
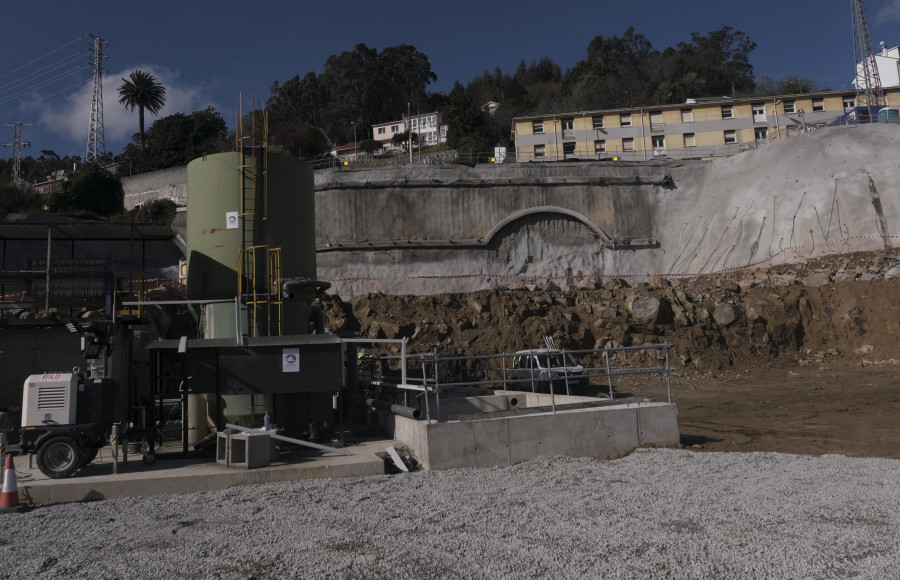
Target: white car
543, 365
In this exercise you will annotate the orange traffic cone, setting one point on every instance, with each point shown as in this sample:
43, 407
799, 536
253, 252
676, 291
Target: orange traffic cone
9, 498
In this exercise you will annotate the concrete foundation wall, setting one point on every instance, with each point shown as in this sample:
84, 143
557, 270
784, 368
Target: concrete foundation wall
602, 432
164, 184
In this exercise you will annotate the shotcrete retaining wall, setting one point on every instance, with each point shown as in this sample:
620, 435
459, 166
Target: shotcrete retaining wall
825, 191
438, 228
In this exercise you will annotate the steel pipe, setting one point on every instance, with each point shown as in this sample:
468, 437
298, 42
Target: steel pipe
401, 410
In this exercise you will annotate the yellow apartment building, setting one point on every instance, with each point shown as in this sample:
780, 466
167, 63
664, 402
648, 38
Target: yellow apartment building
698, 128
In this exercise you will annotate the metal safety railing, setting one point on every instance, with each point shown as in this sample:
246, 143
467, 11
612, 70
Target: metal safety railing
425, 377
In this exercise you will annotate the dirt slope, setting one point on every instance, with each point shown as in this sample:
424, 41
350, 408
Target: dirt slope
797, 358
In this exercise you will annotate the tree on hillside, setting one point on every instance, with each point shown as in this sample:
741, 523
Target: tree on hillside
465, 123
358, 88
709, 66
144, 92
93, 190
176, 140
613, 75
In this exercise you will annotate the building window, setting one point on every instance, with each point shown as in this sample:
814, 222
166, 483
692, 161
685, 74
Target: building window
599, 146
849, 103
690, 140
759, 112
627, 144
727, 112
395, 128
659, 142
656, 122
625, 120
790, 107
381, 130
687, 116
761, 134
730, 136
568, 128
818, 104
569, 149
537, 127
598, 122
538, 151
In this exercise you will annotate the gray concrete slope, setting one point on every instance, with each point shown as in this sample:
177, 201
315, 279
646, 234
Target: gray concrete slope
787, 200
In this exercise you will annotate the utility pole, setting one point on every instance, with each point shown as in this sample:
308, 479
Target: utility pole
17, 149
868, 81
96, 148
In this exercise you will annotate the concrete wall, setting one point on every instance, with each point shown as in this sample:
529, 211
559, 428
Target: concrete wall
164, 184
785, 201
602, 432
788, 200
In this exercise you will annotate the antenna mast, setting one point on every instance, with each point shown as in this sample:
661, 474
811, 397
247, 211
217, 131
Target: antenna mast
96, 148
868, 81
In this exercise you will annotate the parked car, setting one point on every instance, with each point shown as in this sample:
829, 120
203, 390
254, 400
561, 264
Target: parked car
541, 366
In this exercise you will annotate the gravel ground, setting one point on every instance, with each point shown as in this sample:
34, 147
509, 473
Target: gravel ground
654, 514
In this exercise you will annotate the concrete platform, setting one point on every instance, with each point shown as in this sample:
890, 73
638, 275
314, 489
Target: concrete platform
178, 475
495, 432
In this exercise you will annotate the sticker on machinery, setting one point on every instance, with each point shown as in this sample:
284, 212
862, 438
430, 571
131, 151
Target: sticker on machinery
290, 360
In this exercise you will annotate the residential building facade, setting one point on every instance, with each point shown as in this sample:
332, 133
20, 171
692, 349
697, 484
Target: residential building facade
384, 132
432, 132
699, 128
429, 128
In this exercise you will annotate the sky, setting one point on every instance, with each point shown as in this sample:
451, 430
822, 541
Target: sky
227, 54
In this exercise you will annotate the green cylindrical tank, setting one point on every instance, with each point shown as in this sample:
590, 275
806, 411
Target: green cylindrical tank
241, 200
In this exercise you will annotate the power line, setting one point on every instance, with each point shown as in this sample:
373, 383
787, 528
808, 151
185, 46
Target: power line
40, 58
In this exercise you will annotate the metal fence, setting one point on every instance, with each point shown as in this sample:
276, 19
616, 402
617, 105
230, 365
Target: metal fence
419, 380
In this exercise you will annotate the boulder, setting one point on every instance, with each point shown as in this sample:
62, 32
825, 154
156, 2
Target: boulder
645, 308
726, 314
817, 279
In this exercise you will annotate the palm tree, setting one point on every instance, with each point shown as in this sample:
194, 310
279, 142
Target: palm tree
143, 91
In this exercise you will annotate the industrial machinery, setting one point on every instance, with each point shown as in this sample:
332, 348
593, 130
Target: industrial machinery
68, 416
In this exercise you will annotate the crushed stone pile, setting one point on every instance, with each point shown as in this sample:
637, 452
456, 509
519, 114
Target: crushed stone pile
654, 514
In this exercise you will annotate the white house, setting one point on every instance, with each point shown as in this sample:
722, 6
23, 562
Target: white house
888, 63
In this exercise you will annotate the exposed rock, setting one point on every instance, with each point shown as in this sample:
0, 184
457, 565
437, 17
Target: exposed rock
726, 314
894, 272
729, 285
475, 303
844, 277
645, 308
783, 280
817, 279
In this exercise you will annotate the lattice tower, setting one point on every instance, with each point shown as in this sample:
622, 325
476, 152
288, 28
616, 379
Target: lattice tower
868, 81
96, 148
17, 149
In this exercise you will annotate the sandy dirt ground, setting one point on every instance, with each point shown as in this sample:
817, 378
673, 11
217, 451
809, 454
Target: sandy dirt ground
842, 409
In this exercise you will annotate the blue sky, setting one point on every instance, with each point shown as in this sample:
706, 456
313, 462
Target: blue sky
211, 52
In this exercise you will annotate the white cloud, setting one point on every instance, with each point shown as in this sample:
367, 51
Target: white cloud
890, 11
70, 116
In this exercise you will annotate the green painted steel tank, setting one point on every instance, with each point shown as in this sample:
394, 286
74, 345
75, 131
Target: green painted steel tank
241, 200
